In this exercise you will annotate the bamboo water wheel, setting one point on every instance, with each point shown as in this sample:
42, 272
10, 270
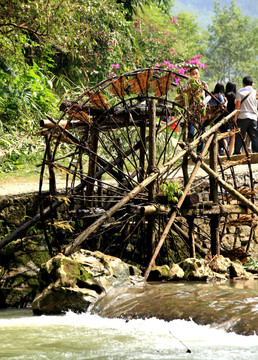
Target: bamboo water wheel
117, 149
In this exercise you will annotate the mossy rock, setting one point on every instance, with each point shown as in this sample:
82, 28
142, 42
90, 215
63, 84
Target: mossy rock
20, 264
159, 273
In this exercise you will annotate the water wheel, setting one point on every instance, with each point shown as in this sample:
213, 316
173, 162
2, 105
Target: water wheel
123, 158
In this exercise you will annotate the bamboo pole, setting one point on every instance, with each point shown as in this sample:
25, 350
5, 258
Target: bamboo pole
199, 209
92, 166
179, 204
151, 168
142, 151
214, 219
191, 238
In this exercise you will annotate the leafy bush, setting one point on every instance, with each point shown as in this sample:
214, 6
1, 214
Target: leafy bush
172, 191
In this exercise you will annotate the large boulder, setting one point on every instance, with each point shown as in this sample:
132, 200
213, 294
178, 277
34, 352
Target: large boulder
76, 282
220, 264
196, 269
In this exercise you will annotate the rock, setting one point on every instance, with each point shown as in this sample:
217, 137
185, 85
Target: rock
159, 273
76, 282
237, 270
196, 269
220, 264
175, 272
20, 266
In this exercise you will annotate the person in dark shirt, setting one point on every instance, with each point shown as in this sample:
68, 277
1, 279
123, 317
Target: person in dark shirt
231, 98
219, 94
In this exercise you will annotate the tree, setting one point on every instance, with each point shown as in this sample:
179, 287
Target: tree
77, 39
132, 6
231, 44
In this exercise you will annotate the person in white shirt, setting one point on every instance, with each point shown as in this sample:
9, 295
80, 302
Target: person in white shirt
246, 119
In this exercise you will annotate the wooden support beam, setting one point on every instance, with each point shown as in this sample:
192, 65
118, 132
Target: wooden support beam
214, 218
92, 166
152, 185
201, 209
218, 209
191, 240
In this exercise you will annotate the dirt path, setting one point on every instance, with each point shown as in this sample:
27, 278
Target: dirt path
17, 186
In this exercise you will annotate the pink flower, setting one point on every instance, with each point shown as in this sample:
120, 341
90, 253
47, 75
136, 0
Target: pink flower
164, 40
111, 43
167, 32
115, 66
151, 39
175, 19
93, 70
176, 81
140, 31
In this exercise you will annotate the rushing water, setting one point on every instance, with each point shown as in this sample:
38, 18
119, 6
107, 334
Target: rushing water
89, 336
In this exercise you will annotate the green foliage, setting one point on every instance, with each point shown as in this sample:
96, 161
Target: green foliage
232, 44
251, 264
132, 6
26, 95
172, 191
191, 97
165, 39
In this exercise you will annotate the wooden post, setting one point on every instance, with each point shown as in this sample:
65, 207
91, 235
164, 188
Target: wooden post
151, 168
92, 167
191, 240
190, 219
214, 219
52, 179
100, 189
142, 150
185, 157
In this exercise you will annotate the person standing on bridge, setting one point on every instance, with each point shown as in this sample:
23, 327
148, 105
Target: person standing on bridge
246, 119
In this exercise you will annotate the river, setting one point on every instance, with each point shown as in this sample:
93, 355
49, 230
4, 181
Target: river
91, 336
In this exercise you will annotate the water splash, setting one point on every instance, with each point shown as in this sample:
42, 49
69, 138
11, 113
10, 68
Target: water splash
85, 336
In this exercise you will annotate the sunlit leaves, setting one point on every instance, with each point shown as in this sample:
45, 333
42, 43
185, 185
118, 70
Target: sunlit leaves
232, 44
